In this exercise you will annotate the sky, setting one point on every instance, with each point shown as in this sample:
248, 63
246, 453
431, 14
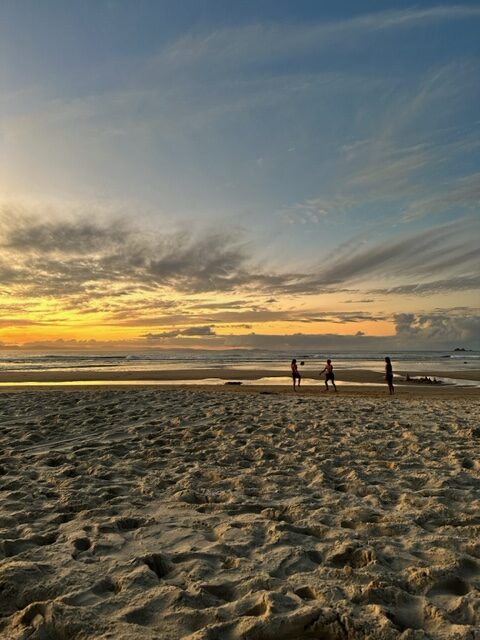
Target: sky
270, 174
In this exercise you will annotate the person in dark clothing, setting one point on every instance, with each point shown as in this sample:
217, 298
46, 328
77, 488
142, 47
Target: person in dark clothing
297, 378
329, 375
389, 375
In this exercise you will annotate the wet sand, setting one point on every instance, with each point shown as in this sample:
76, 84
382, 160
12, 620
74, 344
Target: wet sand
360, 376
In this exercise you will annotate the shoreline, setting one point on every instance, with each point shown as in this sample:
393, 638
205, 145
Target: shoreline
354, 382
359, 375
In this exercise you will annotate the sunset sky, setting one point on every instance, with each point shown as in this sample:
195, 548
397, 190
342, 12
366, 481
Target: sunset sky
221, 174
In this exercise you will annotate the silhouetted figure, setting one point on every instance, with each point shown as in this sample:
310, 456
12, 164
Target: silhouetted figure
329, 375
296, 377
389, 375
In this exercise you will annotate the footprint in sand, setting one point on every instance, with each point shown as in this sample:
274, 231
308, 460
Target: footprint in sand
130, 524
258, 609
15, 547
306, 593
82, 544
449, 586
223, 591
350, 555
159, 564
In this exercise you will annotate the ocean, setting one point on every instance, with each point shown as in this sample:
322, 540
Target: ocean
163, 360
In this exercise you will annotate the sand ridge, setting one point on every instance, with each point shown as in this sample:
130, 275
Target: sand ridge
168, 514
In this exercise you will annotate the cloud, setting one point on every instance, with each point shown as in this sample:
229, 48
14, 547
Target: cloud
439, 327
65, 237
408, 163
345, 317
78, 259
461, 283
326, 343
443, 330
232, 304
66, 258
74, 345
6, 345
198, 331
429, 253
364, 301
203, 331
245, 317
187, 317
110, 266
389, 169
463, 194
404, 179
242, 45
164, 335
18, 322
309, 211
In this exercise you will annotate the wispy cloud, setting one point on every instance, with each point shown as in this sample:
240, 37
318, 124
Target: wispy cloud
411, 146
390, 167
447, 247
406, 162
52, 237
18, 322
314, 210
463, 194
459, 283
245, 44
49, 258
79, 260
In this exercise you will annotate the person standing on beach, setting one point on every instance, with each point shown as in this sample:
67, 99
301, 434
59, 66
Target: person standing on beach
329, 375
295, 375
389, 375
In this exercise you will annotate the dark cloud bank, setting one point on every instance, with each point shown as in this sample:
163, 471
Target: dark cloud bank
413, 331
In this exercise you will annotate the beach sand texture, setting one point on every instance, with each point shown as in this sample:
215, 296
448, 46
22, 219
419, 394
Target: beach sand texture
159, 513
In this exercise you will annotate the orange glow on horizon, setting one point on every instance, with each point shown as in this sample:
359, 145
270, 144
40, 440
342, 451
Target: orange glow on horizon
93, 332
128, 321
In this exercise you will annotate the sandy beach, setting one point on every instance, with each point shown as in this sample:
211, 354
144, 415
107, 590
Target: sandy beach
214, 514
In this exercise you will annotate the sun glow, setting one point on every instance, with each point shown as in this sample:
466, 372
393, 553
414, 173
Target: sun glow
186, 322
